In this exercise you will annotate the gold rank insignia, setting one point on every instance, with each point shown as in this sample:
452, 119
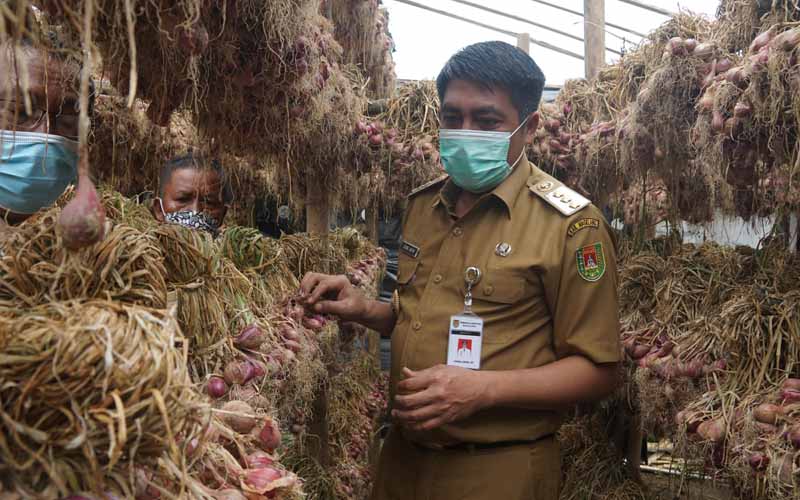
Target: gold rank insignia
560, 197
582, 224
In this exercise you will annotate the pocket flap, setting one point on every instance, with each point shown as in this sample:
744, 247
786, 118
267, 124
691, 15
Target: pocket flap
406, 270
500, 287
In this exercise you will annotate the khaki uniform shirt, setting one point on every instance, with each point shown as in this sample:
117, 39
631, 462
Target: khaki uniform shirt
554, 295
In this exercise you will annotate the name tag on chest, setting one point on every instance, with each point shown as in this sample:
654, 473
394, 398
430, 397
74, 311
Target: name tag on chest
464, 345
409, 249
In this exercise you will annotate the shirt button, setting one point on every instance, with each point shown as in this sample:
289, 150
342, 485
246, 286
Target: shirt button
437, 279
457, 231
488, 290
416, 325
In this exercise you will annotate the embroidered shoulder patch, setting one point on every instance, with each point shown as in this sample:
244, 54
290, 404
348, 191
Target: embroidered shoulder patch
591, 262
582, 224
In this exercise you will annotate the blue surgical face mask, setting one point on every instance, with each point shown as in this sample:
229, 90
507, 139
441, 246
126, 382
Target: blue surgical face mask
476, 160
35, 169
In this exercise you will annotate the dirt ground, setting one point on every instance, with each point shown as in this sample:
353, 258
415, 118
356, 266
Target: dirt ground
666, 487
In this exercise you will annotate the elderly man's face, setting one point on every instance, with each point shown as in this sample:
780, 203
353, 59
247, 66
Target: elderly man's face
198, 190
50, 89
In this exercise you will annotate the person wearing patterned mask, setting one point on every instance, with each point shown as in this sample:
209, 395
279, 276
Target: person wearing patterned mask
194, 193
38, 127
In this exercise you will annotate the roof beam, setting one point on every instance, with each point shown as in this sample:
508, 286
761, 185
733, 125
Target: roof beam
540, 43
526, 21
651, 8
577, 13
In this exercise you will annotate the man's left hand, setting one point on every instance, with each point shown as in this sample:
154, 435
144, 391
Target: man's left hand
439, 395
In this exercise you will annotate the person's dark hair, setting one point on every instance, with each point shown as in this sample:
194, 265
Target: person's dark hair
496, 64
196, 163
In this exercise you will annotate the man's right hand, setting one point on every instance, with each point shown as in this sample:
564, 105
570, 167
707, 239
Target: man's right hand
334, 295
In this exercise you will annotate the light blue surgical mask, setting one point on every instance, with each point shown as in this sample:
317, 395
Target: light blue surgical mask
35, 169
477, 160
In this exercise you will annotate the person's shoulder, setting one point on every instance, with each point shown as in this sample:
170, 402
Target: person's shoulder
428, 187
562, 201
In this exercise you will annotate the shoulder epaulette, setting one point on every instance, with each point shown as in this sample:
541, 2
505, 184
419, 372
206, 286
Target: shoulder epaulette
428, 185
559, 196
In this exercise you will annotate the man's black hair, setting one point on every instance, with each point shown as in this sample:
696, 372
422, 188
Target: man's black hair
496, 64
196, 163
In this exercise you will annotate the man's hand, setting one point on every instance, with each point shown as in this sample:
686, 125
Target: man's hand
335, 295
440, 395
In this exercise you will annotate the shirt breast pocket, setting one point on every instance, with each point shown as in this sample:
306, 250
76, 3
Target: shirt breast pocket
500, 288
498, 299
406, 272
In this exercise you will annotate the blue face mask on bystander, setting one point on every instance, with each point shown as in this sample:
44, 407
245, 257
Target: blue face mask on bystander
35, 169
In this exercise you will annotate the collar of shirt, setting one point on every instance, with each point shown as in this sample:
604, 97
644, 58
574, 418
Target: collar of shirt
506, 192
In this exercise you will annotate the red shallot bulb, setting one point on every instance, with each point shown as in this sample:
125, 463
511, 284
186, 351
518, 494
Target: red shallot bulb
83, 221
793, 435
269, 437
216, 387
258, 460
361, 128
228, 494
762, 40
238, 372
788, 40
767, 413
790, 396
260, 480
791, 383
712, 430
239, 416
703, 50
251, 337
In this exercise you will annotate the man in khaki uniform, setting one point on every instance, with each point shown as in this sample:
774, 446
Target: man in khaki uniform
546, 295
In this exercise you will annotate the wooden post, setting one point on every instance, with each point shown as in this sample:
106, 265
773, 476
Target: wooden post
317, 210
373, 223
318, 223
318, 440
524, 42
594, 23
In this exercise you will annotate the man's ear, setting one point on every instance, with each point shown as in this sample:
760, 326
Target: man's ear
532, 126
155, 208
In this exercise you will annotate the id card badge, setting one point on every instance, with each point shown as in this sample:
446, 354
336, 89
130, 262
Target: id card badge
464, 345
466, 330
